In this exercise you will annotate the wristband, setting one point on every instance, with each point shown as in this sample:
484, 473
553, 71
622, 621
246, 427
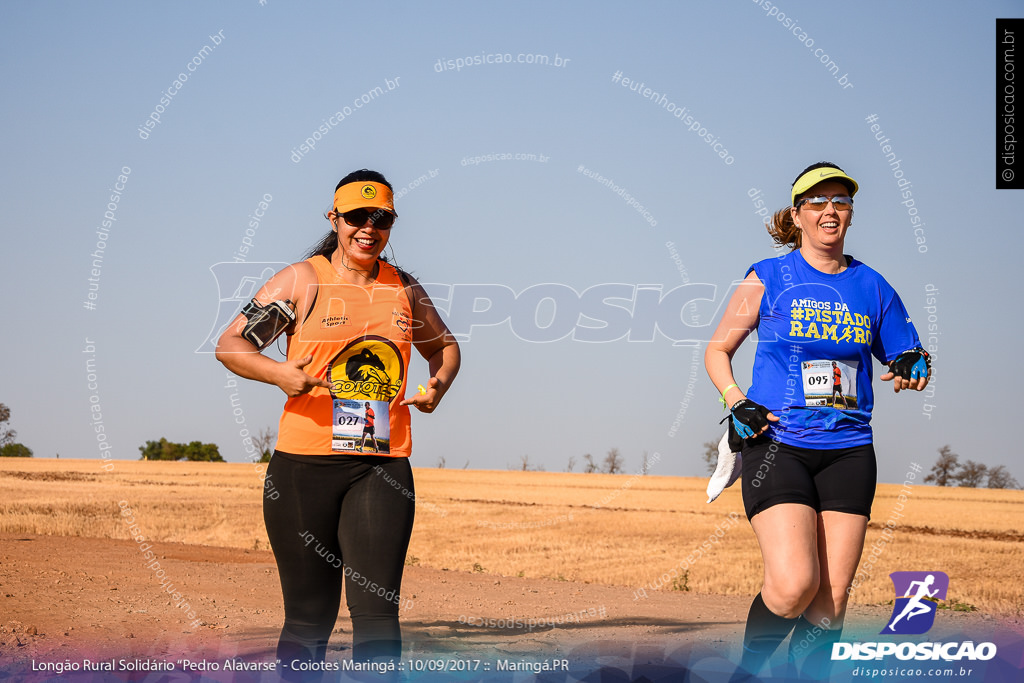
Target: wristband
722, 400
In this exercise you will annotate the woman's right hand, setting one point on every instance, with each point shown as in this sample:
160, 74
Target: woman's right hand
293, 380
750, 418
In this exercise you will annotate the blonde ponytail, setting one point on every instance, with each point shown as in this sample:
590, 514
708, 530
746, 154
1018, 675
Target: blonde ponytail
783, 230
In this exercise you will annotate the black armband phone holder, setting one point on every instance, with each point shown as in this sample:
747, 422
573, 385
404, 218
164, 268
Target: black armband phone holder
266, 323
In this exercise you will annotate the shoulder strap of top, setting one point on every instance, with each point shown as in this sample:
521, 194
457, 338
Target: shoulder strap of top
393, 275
323, 269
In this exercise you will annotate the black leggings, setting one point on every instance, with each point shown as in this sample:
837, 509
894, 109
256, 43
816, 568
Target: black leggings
332, 509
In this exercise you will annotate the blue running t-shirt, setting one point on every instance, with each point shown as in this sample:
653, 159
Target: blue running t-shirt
815, 339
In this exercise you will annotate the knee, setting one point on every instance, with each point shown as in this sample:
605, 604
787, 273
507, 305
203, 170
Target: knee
377, 604
830, 603
311, 618
790, 597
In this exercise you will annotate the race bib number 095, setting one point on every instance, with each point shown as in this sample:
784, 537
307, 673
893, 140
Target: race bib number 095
831, 383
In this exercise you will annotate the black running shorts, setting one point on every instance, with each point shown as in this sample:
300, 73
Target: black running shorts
840, 479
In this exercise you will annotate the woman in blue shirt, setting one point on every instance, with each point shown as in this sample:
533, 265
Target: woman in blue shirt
809, 466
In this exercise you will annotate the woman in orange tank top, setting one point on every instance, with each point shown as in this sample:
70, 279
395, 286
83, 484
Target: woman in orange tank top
344, 515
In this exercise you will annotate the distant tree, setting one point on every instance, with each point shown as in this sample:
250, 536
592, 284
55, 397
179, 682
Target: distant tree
440, 462
8, 447
999, 478
525, 466
711, 456
197, 451
6, 435
158, 450
207, 452
590, 465
194, 451
971, 474
264, 443
943, 472
15, 450
613, 461
571, 463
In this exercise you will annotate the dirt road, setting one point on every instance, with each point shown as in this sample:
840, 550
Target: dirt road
66, 600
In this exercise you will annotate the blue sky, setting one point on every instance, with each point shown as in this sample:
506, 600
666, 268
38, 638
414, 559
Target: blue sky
81, 80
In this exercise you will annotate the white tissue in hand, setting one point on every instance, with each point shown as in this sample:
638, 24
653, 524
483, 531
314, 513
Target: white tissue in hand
727, 471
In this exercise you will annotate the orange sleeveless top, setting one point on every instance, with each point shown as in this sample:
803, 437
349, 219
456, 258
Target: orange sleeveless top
360, 338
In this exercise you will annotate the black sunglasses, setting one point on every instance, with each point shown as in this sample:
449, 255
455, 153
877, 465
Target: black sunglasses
380, 218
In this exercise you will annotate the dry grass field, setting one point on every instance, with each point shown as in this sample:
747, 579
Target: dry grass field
650, 532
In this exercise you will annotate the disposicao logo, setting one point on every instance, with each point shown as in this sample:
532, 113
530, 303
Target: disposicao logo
917, 596
913, 613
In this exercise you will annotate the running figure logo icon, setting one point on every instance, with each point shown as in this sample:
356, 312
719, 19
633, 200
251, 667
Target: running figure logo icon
917, 596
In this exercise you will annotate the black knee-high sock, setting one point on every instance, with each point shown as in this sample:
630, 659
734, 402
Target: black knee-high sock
810, 649
765, 630
805, 635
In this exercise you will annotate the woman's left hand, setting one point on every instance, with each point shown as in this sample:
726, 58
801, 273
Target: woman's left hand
900, 383
910, 370
427, 402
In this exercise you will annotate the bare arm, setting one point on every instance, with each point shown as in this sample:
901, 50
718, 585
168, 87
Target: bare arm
241, 357
739, 320
435, 343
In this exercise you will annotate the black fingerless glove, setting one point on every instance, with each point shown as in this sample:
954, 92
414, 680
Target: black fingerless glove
912, 364
748, 419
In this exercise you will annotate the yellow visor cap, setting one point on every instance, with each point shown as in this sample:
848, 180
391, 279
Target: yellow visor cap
820, 175
363, 194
